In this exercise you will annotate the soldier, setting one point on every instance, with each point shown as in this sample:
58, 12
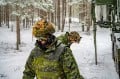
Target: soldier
50, 59
69, 38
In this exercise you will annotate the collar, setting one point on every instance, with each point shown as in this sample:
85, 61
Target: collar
49, 48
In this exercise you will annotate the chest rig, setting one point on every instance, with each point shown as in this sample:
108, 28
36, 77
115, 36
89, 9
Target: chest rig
46, 65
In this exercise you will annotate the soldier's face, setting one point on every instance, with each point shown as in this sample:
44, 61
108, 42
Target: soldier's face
71, 40
43, 40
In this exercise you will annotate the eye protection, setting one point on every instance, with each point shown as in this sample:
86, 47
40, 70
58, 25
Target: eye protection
42, 38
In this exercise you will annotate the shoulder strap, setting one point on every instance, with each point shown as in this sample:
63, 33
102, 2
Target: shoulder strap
59, 50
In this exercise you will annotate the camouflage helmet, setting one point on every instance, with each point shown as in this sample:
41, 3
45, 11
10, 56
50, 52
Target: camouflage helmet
74, 36
42, 27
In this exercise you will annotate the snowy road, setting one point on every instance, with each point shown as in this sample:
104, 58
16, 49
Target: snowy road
85, 56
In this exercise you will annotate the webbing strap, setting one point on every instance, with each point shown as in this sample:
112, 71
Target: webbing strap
59, 51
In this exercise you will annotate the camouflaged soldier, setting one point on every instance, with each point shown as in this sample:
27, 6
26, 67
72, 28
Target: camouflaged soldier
69, 38
50, 59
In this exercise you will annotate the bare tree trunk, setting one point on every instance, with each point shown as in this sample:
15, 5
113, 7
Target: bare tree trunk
63, 13
4, 9
38, 12
32, 20
7, 15
55, 14
65, 7
33, 15
0, 16
58, 15
17, 30
79, 18
70, 13
83, 27
23, 23
94, 31
52, 17
27, 22
10, 17
49, 17
88, 19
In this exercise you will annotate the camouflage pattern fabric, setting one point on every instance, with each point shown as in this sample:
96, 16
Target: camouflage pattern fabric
64, 39
51, 64
42, 27
69, 38
74, 36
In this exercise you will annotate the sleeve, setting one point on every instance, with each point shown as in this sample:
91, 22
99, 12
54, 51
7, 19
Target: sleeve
62, 38
69, 65
28, 73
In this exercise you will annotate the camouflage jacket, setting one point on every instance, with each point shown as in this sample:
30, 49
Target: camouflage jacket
64, 39
57, 62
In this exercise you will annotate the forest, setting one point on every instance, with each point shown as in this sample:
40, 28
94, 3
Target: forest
90, 18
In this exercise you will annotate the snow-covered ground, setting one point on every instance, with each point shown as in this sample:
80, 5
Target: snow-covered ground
12, 61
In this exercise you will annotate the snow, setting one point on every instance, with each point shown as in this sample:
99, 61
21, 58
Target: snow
117, 39
12, 61
85, 56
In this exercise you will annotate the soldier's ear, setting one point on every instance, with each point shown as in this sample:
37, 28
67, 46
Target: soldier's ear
67, 33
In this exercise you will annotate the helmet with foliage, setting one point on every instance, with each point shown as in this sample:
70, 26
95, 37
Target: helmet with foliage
74, 36
42, 27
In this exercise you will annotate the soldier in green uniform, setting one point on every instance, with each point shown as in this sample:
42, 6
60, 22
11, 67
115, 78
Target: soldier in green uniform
69, 38
50, 59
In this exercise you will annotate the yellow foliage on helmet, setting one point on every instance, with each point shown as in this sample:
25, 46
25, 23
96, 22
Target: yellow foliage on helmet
74, 36
42, 27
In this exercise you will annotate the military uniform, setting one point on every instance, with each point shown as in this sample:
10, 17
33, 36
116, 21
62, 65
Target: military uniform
49, 64
64, 39
68, 37
52, 62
